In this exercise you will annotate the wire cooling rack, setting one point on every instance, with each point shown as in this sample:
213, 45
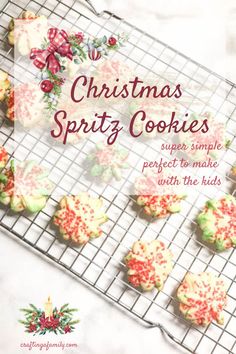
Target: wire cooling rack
100, 263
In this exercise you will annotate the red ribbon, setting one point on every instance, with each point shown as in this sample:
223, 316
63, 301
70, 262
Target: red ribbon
58, 43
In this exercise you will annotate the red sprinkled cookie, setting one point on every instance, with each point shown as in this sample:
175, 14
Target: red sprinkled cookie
112, 73
27, 31
4, 85
79, 218
25, 104
156, 200
149, 264
3, 157
218, 222
196, 142
10, 105
202, 298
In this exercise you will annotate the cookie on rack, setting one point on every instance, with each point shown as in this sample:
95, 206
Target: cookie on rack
160, 206
25, 104
112, 72
79, 218
155, 200
27, 31
202, 298
218, 222
215, 135
149, 264
233, 171
3, 157
108, 161
10, 112
27, 15
25, 186
5, 85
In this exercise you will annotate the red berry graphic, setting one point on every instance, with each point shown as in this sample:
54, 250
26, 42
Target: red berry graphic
112, 41
46, 86
67, 329
79, 36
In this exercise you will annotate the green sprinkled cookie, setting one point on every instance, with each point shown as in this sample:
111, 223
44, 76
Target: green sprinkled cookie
156, 199
218, 222
108, 161
4, 85
25, 186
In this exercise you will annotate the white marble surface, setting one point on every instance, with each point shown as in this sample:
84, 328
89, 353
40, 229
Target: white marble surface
201, 29
104, 329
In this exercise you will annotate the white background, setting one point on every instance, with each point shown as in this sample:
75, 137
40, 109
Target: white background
202, 29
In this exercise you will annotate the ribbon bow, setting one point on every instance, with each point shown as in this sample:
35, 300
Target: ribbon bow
58, 43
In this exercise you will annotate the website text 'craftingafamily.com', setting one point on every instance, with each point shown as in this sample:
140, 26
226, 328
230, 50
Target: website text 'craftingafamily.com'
31, 345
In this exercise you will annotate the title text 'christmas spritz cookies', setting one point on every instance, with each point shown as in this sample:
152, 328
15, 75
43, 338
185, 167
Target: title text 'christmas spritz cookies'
79, 218
149, 264
155, 110
202, 298
218, 222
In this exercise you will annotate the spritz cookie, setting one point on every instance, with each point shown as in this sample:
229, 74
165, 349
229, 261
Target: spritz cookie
25, 104
3, 157
218, 222
4, 85
25, 186
198, 143
202, 298
108, 161
79, 218
157, 201
27, 31
149, 264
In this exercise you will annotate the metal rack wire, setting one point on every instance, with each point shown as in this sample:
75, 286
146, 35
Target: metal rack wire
99, 263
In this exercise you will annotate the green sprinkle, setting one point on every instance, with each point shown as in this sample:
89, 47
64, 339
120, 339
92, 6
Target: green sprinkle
207, 234
220, 245
212, 204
